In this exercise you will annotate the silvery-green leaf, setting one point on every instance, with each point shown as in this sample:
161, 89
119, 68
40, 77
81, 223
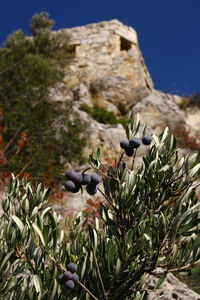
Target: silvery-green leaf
144, 129
171, 142
18, 222
193, 172
83, 267
156, 139
95, 239
127, 132
131, 181
164, 134
37, 283
123, 175
137, 121
27, 206
137, 128
148, 238
118, 266
187, 213
62, 235
97, 223
91, 260
45, 211
5, 260
38, 188
39, 232
153, 163
55, 285
180, 164
131, 120
35, 211
164, 168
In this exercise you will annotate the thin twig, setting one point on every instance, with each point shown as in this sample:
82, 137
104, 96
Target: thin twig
99, 274
107, 199
175, 270
26, 165
84, 287
120, 159
14, 136
26, 259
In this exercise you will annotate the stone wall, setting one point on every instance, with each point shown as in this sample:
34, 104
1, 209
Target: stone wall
108, 52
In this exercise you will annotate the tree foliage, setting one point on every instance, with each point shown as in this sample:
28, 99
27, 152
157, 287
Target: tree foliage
28, 67
149, 220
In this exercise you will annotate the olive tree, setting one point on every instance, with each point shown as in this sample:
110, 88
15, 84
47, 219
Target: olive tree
149, 219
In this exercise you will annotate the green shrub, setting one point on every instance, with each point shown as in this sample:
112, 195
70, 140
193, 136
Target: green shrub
101, 115
29, 66
190, 101
150, 220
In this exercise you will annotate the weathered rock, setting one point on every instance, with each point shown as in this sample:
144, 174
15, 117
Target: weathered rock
159, 110
82, 94
172, 288
60, 93
192, 119
118, 90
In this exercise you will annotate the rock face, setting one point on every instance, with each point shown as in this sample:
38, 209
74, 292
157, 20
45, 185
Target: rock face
108, 60
159, 110
172, 288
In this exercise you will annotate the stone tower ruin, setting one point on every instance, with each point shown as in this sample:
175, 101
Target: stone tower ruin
109, 62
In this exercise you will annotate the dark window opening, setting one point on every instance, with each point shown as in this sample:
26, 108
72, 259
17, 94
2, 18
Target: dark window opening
125, 44
72, 49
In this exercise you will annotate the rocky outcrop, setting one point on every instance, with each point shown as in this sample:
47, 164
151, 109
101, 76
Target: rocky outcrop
108, 60
159, 110
172, 288
117, 90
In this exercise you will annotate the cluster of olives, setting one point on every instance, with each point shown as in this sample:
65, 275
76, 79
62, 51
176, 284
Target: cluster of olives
69, 277
134, 143
75, 180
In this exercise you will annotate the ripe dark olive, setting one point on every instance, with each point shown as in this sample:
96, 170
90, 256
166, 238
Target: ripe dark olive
135, 142
61, 279
70, 174
73, 176
71, 267
91, 189
75, 277
124, 144
67, 275
69, 284
129, 151
86, 179
95, 179
77, 178
71, 186
146, 140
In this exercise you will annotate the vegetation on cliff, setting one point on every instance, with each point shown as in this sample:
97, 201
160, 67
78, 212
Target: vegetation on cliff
34, 131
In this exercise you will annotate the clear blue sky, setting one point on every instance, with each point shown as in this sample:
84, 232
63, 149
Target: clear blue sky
168, 31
